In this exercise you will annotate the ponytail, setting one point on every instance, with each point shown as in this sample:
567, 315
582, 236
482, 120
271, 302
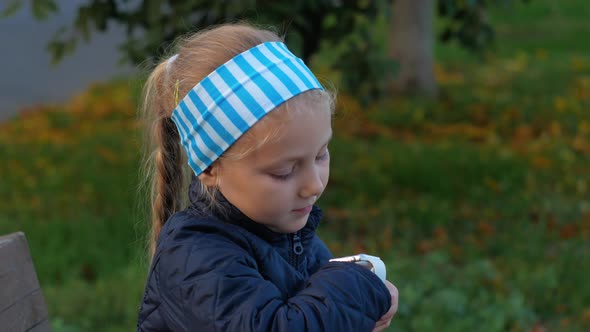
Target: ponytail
164, 159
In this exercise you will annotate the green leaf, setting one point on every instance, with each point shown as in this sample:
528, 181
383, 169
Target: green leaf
43, 8
59, 46
330, 21
153, 10
81, 23
11, 8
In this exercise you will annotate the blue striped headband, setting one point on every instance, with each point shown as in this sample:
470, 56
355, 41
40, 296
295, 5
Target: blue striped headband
230, 100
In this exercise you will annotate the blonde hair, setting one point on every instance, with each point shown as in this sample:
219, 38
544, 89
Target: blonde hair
165, 165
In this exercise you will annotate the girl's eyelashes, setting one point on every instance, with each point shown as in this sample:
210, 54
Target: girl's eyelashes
281, 177
323, 156
282, 174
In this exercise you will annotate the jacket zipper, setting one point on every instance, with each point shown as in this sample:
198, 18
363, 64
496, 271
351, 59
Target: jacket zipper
297, 249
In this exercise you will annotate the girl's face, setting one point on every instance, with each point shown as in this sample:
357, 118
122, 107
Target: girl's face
277, 184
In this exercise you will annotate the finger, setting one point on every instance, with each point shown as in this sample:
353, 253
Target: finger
378, 329
382, 325
387, 316
383, 321
394, 295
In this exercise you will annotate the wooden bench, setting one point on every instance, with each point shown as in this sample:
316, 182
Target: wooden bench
22, 306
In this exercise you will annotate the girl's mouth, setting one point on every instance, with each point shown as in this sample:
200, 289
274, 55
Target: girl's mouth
304, 210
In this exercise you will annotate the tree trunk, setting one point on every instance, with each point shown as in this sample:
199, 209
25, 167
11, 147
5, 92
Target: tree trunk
411, 46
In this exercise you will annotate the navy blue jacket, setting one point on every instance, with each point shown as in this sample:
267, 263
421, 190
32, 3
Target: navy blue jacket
214, 272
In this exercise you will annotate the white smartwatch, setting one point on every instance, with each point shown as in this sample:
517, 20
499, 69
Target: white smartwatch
373, 263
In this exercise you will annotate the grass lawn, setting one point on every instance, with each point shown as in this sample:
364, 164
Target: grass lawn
478, 202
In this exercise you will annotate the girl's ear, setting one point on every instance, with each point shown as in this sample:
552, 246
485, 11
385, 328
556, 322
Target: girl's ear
209, 176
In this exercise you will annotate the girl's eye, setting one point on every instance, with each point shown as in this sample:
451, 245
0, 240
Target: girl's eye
281, 177
323, 156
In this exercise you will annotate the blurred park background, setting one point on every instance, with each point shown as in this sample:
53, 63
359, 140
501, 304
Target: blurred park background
461, 155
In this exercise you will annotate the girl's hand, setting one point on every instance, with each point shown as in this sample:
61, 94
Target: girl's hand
385, 320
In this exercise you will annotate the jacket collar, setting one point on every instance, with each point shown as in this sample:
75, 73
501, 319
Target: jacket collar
229, 213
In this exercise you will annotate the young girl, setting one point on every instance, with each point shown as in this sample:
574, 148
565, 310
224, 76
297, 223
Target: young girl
255, 125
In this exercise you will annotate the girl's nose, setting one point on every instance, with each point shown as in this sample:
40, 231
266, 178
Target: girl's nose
313, 185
